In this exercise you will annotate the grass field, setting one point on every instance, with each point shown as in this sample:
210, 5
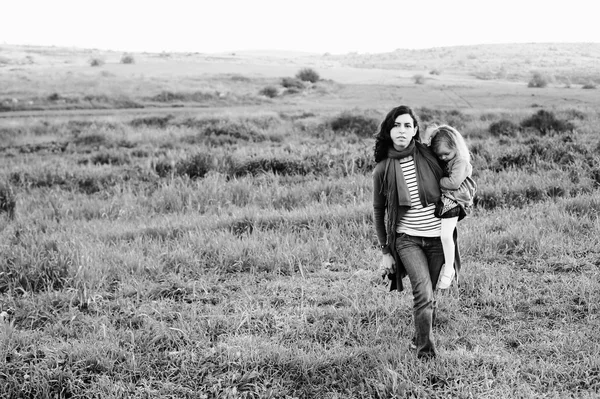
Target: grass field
179, 235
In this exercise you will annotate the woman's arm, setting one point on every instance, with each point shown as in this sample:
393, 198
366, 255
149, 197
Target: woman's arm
379, 206
379, 202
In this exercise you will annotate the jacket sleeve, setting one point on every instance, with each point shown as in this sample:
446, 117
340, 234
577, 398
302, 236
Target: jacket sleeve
460, 169
379, 203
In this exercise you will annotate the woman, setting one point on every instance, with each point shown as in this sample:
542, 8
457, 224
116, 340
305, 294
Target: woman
406, 189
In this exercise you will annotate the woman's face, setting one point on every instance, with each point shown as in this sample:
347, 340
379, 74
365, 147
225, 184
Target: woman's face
403, 131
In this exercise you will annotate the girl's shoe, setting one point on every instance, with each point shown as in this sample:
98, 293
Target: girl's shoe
446, 276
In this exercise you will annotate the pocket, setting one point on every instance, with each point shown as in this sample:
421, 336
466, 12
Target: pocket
403, 240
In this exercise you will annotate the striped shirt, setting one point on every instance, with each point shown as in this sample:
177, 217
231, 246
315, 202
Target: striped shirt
417, 221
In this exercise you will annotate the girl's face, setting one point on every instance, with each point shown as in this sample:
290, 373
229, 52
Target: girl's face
444, 153
403, 131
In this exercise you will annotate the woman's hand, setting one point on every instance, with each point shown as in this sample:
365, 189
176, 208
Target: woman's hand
388, 264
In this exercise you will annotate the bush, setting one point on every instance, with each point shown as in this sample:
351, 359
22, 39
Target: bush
99, 98
195, 167
236, 130
154, 121
545, 122
96, 62
216, 131
269, 91
92, 139
503, 127
240, 78
107, 158
273, 165
429, 114
8, 200
454, 117
419, 79
127, 59
168, 96
538, 80
308, 75
584, 207
589, 85
513, 159
292, 90
54, 97
292, 83
435, 71
352, 123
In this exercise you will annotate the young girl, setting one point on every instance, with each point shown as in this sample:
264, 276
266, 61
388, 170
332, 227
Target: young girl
458, 190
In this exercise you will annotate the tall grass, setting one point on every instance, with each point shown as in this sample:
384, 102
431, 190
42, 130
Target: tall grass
147, 259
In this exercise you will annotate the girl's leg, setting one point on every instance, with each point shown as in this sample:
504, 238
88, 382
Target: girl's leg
448, 226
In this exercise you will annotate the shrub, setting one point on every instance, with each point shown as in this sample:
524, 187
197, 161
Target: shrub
292, 83
538, 80
196, 166
352, 123
168, 96
292, 90
202, 96
514, 159
96, 62
429, 114
456, 118
589, 85
575, 114
435, 71
269, 91
545, 122
8, 200
108, 158
240, 78
54, 97
308, 75
91, 139
124, 102
236, 130
564, 153
419, 79
503, 127
127, 59
583, 207
100, 98
154, 121
38, 268
273, 165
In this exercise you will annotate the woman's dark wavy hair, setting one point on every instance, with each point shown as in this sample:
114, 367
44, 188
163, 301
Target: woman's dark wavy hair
383, 140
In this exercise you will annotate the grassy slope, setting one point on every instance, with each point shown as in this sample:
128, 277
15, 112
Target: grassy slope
121, 280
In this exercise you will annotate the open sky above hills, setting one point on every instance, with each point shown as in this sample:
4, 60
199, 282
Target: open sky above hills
313, 26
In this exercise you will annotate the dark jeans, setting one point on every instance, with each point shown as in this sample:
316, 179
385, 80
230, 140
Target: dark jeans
422, 258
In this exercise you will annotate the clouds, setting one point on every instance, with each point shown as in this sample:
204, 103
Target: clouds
309, 25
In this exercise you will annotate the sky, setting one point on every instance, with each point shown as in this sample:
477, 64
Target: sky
367, 26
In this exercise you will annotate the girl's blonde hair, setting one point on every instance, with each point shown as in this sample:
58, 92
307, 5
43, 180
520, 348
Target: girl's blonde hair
452, 138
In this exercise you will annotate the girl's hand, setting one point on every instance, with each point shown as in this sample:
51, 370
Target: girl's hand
388, 264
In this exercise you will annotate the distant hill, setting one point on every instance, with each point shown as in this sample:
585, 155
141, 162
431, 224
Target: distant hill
564, 63
568, 62
273, 53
